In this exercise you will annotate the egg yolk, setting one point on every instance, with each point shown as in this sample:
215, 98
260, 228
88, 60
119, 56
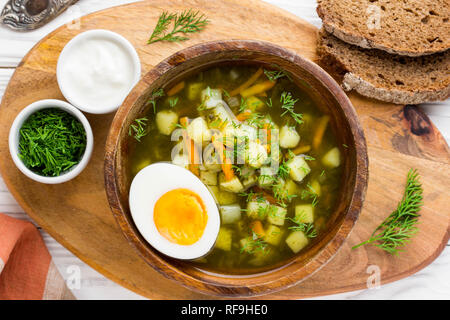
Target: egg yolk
180, 216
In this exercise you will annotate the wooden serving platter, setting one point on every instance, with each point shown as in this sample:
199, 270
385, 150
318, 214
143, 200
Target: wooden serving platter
77, 213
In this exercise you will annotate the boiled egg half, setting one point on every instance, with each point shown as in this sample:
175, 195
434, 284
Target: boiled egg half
174, 211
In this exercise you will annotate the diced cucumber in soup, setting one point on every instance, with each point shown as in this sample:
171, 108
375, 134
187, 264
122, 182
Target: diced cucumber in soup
276, 215
209, 177
304, 213
224, 239
194, 90
222, 113
257, 210
315, 186
211, 97
298, 168
233, 185
257, 155
291, 188
225, 197
166, 121
273, 235
230, 213
198, 131
248, 177
289, 138
297, 240
247, 244
332, 159
267, 177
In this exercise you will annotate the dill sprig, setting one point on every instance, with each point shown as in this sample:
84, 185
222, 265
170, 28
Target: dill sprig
274, 75
401, 225
307, 228
139, 129
254, 244
287, 103
155, 95
51, 142
310, 193
186, 22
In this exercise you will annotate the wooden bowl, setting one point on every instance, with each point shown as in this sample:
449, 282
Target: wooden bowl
329, 97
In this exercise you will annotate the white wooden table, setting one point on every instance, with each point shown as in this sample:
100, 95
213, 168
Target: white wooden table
433, 282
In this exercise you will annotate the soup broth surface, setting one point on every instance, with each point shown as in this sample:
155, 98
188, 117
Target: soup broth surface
279, 177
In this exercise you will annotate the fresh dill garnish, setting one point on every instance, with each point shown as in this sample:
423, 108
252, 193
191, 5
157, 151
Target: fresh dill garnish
243, 105
188, 21
258, 196
155, 95
138, 129
281, 194
308, 158
284, 170
287, 103
201, 107
256, 119
274, 75
254, 244
310, 193
51, 142
225, 93
173, 101
307, 228
269, 103
237, 169
401, 225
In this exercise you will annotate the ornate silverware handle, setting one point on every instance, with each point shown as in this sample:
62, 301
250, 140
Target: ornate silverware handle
25, 15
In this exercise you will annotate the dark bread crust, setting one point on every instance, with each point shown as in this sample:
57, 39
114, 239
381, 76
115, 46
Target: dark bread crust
410, 27
377, 74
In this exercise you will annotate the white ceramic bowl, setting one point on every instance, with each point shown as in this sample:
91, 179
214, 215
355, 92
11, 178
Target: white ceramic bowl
65, 84
14, 137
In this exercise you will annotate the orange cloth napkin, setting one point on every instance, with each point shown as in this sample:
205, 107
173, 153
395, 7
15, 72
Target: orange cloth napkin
26, 268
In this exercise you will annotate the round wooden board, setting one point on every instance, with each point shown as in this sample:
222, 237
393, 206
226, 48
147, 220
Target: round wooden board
77, 213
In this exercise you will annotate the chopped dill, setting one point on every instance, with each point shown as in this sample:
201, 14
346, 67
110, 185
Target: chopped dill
287, 103
51, 142
307, 228
155, 95
138, 129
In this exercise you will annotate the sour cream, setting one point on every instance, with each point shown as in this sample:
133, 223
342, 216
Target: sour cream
96, 71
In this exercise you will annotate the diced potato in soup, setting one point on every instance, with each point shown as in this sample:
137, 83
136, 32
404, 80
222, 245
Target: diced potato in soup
166, 121
298, 168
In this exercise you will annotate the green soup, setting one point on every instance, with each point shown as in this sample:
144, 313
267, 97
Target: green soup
281, 177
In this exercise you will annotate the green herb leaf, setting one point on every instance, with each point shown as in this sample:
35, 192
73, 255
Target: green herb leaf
401, 225
155, 95
187, 22
51, 142
287, 103
138, 129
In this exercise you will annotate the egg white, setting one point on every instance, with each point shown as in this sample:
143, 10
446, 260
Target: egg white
148, 186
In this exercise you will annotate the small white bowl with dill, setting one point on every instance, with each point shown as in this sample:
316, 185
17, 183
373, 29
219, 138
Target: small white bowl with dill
51, 141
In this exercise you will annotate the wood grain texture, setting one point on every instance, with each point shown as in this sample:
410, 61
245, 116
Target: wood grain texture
77, 214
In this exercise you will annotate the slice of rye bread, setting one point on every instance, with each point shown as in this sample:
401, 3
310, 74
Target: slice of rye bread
406, 27
380, 75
